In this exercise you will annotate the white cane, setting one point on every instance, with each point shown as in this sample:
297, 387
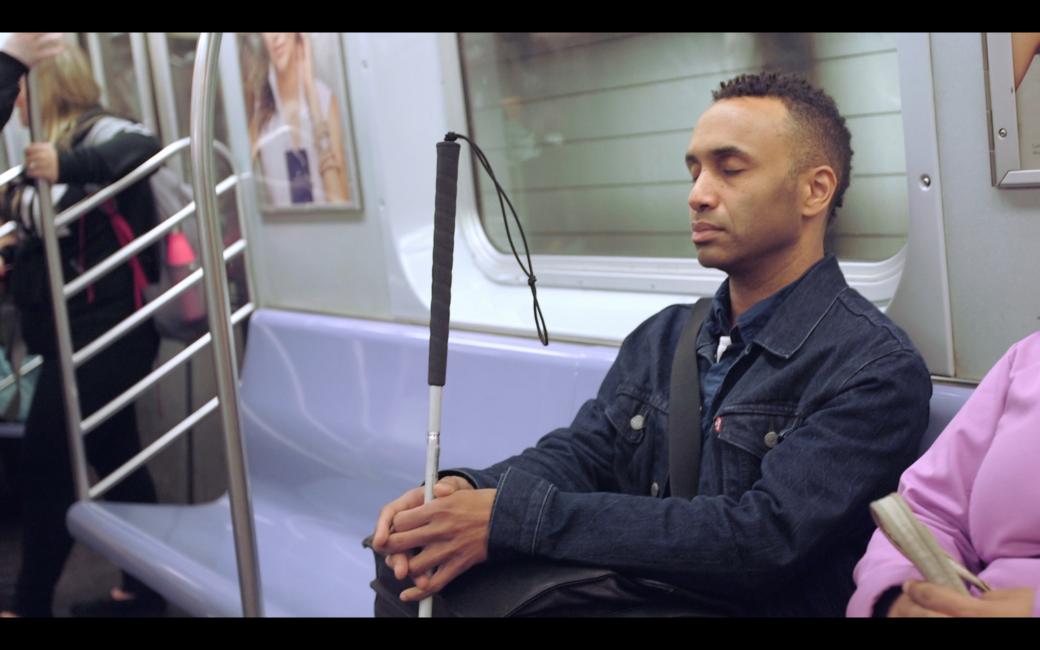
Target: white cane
440, 309
440, 303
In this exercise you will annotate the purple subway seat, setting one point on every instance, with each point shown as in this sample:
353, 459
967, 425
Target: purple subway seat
334, 412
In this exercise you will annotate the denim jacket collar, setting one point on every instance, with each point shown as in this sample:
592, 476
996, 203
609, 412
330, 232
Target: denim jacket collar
800, 312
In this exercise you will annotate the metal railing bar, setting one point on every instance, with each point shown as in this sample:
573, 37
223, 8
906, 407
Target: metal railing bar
27, 367
10, 175
73, 212
138, 244
151, 450
130, 394
142, 314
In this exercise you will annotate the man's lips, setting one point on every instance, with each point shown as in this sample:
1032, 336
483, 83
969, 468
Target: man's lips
704, 232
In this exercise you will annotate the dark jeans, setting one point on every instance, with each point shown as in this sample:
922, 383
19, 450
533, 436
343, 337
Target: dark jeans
45, 474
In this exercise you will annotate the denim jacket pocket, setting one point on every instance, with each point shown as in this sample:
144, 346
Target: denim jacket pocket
639, 420
745, 435
633, 412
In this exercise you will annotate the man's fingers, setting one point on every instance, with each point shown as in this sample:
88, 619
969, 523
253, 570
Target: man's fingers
398, 562
399, 542
441, 578
408, 500
443, 489
413, 518
449, 485
431, 556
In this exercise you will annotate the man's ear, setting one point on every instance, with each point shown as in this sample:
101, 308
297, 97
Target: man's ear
818, 187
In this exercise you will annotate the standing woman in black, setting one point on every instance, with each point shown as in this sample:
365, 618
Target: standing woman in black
84, 149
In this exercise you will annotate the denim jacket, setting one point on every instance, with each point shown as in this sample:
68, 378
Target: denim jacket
828, 412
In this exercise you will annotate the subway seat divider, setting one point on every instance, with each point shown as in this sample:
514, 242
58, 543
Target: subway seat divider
334, 414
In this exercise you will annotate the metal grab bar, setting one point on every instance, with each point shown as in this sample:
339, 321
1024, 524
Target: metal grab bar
52, 255
138, 244
73, 212
151, 450
221, 321
10, 175
145, 312
204, 83
131, 393
27, 367
143, 170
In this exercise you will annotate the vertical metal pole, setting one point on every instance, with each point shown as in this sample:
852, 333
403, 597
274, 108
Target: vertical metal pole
204, 83
166, 103
97, 62
143, 77
73, 417
245, 232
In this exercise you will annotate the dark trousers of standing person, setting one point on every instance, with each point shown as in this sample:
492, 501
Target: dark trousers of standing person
45, 471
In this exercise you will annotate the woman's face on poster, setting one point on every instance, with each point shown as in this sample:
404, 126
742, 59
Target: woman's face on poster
281, 48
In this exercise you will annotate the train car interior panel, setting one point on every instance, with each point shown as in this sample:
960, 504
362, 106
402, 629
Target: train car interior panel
327, 360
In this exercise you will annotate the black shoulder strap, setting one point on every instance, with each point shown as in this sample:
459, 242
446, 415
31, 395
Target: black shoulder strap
85, 123
684, 408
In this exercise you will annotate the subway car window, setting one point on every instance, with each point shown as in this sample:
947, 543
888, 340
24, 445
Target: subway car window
116, 75
578, 128
182, 63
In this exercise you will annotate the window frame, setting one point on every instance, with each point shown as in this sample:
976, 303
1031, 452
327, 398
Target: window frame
912, 285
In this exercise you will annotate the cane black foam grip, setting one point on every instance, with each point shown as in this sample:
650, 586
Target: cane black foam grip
443, 251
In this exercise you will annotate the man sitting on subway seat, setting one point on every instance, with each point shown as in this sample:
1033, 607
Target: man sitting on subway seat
812, 402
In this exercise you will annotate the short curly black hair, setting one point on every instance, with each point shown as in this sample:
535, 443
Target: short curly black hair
816, 118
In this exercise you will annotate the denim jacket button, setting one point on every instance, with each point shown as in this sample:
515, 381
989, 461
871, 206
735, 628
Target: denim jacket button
655, 489
771, 439
636, 422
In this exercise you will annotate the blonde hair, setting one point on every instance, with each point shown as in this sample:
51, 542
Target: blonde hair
67, 89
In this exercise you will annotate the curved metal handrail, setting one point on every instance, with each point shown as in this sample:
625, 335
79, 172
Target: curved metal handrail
221, 321
203, 91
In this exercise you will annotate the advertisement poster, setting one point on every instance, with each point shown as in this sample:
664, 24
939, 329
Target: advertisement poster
1025, 50
298, 120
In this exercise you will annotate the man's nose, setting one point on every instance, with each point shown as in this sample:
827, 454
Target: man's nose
702, 195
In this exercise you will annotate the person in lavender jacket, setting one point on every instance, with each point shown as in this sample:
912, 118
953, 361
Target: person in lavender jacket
976, 488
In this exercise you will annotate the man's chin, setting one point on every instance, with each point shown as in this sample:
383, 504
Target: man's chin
709, 258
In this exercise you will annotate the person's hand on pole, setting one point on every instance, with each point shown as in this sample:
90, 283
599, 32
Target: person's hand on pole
32, 47
41, 161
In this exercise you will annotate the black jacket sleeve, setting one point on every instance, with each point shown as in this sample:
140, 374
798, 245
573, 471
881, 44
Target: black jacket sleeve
11, 70
109, 160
